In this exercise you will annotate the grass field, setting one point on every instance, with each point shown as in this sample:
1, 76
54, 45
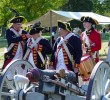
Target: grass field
102, 53
3, 45
104, 50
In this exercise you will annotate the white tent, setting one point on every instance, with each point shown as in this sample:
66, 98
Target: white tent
50, 18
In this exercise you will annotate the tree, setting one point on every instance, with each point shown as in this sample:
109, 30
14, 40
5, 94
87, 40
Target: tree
102, 8
78, 5
31, 9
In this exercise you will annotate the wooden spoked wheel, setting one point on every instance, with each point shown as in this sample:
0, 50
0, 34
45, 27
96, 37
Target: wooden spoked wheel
8, 88
99, 84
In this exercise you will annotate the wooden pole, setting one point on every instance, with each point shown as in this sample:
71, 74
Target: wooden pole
51, 28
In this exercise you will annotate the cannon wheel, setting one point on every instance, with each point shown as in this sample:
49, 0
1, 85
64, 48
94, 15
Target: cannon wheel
99, 84
16, 67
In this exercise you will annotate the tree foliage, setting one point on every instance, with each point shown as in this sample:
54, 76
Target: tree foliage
31, 9
101, 7
95, 6
78, 5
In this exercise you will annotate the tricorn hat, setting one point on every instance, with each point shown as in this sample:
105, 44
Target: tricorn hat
36, 28
64, 25
17, 18
89, 19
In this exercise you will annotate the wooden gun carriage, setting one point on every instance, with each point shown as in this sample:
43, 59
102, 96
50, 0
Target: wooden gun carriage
98, 87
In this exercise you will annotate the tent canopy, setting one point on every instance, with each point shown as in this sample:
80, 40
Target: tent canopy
50, 18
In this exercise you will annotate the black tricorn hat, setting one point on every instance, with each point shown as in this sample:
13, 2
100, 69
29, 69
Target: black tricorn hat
36, 28
89, 19
64, 25
17, 18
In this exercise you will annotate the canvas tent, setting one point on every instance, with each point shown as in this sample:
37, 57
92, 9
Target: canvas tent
50, 18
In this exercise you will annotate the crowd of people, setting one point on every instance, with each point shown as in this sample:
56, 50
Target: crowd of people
67, 52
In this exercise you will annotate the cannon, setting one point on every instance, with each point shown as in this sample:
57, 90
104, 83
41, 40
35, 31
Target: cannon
98, 87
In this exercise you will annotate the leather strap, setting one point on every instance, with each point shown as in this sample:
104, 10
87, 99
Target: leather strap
35, 44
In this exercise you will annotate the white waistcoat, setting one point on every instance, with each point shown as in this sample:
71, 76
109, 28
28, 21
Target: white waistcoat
60, 61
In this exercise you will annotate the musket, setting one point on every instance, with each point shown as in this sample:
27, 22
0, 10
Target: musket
75, 90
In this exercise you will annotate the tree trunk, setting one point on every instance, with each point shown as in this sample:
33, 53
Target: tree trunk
3, 30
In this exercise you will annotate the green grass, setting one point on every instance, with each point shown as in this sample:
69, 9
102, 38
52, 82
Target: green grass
3, 45
104, 49
3, 42
46, 35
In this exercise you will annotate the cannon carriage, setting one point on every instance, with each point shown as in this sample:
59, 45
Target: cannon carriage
98, 87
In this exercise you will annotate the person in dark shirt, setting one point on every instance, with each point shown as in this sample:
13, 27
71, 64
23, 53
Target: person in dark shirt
16, 38
40, 47
103, 32
67, 50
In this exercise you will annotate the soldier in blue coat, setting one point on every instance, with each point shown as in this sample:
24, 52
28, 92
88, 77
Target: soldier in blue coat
67, 49
37, 48
16, 38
